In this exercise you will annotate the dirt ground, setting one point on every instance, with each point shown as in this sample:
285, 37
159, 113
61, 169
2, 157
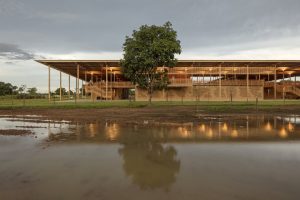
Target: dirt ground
138, 115
15, 132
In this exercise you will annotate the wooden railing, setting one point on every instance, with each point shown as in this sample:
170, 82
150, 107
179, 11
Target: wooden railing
127, 84
179, 82
97, 91
288, 88
230, 83
224, 70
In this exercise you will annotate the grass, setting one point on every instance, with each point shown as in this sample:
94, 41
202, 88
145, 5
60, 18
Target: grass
219, 106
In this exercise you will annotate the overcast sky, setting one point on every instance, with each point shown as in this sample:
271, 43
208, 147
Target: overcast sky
96, 29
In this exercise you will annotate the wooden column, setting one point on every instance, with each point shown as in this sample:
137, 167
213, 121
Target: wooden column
283, 91
220, 81
85, 80
77, 82
69, 91
60, 88
49, 90
81, 88
247, 83
106, 82
111, 84
275, 84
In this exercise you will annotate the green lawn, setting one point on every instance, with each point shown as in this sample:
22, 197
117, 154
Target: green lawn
9, 103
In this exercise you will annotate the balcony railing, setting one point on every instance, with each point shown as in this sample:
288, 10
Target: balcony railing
230, 83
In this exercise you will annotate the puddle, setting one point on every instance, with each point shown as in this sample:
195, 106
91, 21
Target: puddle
217, 157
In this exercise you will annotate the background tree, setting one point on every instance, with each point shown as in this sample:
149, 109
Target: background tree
32, 91
148, 48
63, 91
22, 89
7, 89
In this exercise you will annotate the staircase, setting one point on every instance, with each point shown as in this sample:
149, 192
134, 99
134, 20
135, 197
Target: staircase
98, 90
287, 88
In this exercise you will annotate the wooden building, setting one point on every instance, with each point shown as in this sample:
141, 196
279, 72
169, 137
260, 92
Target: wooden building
208, 80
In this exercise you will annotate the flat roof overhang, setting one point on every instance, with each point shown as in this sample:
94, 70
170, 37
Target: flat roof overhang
97, 67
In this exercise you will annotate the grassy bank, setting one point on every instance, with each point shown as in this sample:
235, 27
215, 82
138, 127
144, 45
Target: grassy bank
7, 103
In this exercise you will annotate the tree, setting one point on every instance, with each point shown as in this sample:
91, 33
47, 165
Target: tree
32, 91
22, 89
7, 89
63, 91
147, 49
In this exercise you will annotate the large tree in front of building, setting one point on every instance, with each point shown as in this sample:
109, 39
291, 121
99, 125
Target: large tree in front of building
147, 49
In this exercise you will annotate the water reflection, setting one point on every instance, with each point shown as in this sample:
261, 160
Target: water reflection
150, 164
221, 128
112, 131
152, 157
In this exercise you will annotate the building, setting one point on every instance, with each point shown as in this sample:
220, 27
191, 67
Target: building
208, 80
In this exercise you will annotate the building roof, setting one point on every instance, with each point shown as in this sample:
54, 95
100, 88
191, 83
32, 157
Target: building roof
96, 66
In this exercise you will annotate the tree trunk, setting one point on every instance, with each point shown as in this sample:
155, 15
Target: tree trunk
150, 94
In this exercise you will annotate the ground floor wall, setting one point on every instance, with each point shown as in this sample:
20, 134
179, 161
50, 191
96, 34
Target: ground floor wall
204, 93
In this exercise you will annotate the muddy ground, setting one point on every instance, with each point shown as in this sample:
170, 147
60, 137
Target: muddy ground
140, 115
15, 132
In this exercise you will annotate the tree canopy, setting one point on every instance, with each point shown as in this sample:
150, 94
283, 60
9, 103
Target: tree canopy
7, 89
147, 49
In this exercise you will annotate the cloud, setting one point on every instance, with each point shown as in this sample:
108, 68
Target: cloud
68, 26
13, 52
96, 29
11, 7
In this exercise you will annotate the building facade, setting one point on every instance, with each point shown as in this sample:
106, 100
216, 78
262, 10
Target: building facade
193, 80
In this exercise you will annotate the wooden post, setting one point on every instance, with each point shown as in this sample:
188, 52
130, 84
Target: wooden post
81, 88
220, 83
49, 90
85, 80
247, 83
77, 82
275, 84
283, 91
106, 83
60, 88
111, 84
69, 92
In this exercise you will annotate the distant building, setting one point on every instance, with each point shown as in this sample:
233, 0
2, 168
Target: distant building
207, 80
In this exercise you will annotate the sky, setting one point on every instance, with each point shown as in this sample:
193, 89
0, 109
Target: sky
96, 29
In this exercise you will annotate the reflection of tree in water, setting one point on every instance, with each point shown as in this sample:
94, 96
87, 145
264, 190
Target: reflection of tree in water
150, 164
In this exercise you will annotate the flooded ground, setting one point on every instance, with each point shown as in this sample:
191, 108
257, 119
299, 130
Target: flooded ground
216, 157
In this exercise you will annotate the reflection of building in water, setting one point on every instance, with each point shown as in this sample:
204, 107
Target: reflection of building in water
112, 131
92, 129
242, 128
268, 126
209, 133
225, 127
202, 127
290, 127
234, 133
283, 133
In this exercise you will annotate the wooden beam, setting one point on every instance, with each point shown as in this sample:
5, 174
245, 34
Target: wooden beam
77, 82
69, 91
275, 84
60, 88
220, 81
49, 90
85, 80
247, 83
106, 82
